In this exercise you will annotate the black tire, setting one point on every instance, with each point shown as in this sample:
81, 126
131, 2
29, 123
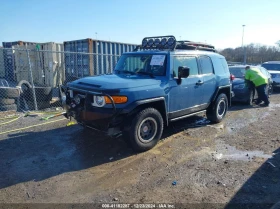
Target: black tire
24, 83
146, 130
6, 101
9, 92
43, 93
8, 107
251, 97
217, 111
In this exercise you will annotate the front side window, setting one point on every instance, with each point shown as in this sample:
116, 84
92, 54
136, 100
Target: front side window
206, 64
142, 64
184, 61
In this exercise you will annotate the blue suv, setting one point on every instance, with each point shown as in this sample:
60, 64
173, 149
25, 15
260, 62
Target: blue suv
161, 81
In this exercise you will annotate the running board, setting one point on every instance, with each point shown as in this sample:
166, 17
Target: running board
186, 116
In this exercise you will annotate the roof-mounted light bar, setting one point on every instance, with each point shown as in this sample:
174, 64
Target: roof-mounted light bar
170, 43
159, 42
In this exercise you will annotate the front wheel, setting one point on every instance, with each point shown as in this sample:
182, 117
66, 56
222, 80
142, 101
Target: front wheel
217, 111
146, 130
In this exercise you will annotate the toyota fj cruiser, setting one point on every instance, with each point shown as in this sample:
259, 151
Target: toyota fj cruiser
161, 81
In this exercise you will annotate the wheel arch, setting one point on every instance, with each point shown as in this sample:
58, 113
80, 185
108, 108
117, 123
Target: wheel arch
225, 90
157, 103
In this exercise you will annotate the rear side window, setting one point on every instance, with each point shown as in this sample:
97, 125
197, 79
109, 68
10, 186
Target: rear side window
206, 65
190, 62
224, 64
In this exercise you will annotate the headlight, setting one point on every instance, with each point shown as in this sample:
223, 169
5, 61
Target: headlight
77, 99
98, 101
240, 86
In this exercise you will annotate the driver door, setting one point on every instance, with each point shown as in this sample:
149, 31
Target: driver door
185, 97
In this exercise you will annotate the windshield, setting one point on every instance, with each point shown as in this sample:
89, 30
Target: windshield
237, 72
143, 64
271, 66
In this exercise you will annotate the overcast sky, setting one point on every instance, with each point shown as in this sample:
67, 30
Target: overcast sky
217, 22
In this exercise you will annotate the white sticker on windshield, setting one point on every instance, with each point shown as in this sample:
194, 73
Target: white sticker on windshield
157, 60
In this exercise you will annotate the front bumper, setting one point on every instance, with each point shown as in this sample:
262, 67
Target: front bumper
107, 120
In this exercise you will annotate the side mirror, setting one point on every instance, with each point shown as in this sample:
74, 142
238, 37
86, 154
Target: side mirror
183, 72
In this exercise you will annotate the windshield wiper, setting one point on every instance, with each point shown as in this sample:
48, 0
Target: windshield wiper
125, 71
146, 73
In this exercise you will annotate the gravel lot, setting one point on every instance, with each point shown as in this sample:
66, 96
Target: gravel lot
197, 163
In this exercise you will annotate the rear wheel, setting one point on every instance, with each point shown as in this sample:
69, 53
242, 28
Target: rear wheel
146, 130
217, 111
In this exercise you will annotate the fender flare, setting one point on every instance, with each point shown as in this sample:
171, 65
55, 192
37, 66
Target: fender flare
140, 104
226, 89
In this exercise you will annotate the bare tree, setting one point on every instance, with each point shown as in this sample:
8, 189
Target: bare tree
256, 53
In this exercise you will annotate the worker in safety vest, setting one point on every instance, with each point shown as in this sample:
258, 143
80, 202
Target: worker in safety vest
260, 82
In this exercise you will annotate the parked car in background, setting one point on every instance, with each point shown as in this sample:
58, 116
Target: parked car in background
273, 68
243, 92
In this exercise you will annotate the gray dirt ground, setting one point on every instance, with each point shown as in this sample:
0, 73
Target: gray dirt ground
236, 161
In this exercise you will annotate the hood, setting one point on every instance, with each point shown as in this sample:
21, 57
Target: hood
113, 81
274, 71
237, 81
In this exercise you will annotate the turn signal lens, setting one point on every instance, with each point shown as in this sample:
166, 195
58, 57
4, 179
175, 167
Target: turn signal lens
117, 99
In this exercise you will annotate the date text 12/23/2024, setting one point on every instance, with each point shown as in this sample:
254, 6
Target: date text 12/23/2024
138, 206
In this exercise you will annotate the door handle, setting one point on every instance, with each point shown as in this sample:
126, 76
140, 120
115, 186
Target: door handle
199, 82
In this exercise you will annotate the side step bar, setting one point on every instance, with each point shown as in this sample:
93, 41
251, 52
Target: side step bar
186, 116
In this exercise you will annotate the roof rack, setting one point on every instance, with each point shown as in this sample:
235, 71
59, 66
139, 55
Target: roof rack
190, 45
170, 43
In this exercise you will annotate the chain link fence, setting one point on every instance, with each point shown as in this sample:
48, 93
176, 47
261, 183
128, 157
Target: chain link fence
30, 78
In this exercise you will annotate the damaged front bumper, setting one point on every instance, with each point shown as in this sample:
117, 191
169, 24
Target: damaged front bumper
107, 120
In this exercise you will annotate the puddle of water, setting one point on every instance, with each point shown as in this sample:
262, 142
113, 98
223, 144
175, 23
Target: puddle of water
228, 152
229, 130
202, 121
